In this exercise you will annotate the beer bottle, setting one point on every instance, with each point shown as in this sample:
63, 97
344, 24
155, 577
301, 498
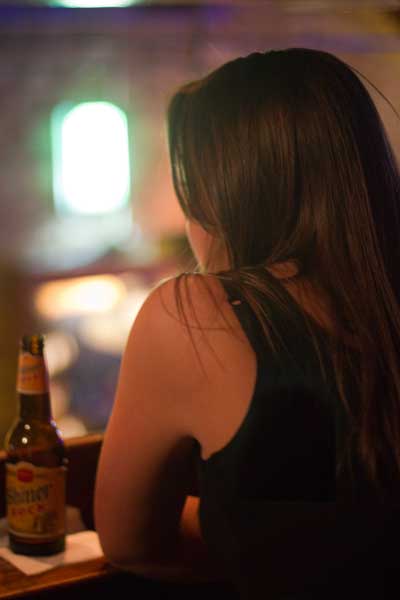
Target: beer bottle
35, 461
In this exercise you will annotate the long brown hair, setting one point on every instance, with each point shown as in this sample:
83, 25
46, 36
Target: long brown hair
282, 156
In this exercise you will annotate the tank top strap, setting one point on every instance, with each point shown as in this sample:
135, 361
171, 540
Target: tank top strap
286, 332
245, 316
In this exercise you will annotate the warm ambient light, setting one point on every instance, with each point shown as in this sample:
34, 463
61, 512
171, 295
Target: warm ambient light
91, 167
108, 333
61, 351
78, 296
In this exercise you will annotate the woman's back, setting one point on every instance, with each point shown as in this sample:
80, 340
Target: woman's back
224, 414
271, 510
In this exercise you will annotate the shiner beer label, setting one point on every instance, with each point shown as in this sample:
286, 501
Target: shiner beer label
35, 501
32, 374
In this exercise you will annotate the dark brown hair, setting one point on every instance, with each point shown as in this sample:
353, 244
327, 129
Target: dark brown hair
283, 157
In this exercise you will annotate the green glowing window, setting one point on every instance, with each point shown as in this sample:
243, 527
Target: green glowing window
91, 167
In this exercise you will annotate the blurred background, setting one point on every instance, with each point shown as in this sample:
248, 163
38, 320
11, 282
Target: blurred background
89, 220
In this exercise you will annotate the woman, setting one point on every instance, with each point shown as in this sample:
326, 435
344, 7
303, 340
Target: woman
274, 368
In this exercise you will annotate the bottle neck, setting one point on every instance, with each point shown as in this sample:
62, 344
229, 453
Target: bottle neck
35, 406
33, 387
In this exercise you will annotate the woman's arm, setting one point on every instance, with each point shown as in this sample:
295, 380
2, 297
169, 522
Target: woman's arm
146, 521
190, 563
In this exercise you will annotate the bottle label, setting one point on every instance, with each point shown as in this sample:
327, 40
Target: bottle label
35, 498
32, 374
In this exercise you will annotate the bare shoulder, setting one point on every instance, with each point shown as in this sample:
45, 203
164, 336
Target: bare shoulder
185, 321
192, 365
190, 301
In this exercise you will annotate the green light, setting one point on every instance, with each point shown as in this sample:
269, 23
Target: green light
92, 3
91, 167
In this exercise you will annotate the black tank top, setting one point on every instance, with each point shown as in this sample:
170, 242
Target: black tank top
268, 498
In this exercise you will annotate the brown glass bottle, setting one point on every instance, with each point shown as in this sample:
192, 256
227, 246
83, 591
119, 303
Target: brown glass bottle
36, 463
